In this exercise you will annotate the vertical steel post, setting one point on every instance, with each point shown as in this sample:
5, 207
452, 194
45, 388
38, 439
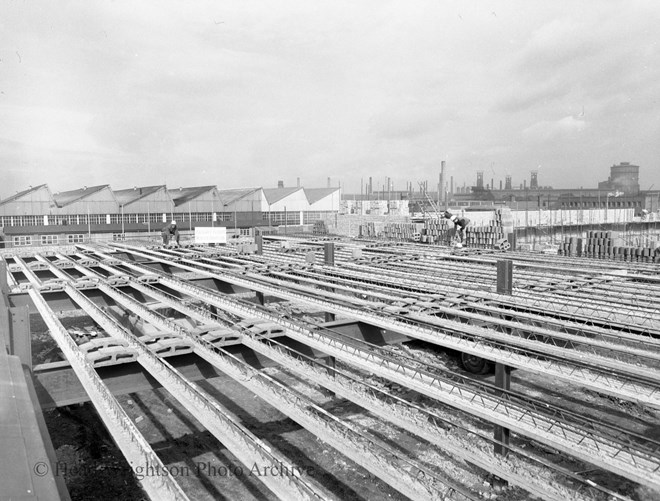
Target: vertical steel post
504, 276
503, 372
329, 253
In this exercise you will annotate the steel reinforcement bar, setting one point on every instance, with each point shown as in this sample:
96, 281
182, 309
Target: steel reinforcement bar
414, 419
249, 449
128, 438
642, 353
574, 441
519, 300
400, 472
469, 339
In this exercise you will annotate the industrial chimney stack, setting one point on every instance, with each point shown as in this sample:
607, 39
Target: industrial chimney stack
441, 184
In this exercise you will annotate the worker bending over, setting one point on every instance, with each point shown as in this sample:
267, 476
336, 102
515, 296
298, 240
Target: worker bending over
170, 233
460, 224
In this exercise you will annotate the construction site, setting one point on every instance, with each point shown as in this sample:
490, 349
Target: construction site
309, 366
345, 251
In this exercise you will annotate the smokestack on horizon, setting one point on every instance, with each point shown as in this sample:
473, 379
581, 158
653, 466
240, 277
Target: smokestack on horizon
441, 183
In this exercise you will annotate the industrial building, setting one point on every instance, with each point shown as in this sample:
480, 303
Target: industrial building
620, 190
37, 216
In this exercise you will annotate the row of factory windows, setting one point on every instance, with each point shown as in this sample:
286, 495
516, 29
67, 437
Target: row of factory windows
23, 240
52, 220
288, 217
77, 238
612, 204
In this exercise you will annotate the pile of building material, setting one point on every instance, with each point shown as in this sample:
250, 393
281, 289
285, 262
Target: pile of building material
436, 231
402, 232
607, 245
367, 230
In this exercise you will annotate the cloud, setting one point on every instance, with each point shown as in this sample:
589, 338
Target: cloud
145, 92
547, 130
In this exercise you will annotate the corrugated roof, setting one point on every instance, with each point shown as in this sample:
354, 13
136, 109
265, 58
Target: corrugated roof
234, 195
276, 194
183, 195
21, 194
316, 194
64, 198
130, 195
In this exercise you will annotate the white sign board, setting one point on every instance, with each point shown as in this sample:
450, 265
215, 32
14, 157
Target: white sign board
206, 235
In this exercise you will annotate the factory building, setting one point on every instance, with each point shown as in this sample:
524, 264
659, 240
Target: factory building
285, 206
27, 207
141, 207
37, 216
621, 190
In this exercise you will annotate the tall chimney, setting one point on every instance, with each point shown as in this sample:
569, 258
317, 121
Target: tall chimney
451, 185
298, 182
441, 184
507, 182
500, 185
371, 185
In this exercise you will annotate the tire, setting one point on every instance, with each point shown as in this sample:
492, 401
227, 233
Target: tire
475, 364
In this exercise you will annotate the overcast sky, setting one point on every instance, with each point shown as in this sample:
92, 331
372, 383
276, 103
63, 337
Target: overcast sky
244, 93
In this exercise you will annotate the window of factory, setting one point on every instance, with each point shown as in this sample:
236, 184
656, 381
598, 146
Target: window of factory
22, 240
48, 239
245, 231
118, 237
278, 217
78, 238
26, 220
202, 216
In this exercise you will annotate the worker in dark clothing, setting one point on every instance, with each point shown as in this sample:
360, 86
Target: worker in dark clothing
170, 232
460, 225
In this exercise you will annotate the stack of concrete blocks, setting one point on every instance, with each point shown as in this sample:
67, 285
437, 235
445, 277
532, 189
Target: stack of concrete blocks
608, 245
436, 231
402, 232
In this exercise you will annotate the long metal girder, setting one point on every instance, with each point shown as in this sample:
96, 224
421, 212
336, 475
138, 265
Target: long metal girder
249, 449
638, 345
518, 300
565, 437
619, 312
556, 412
587, 376
447, 269
398, 471
128, 438
595, 346
421, 422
